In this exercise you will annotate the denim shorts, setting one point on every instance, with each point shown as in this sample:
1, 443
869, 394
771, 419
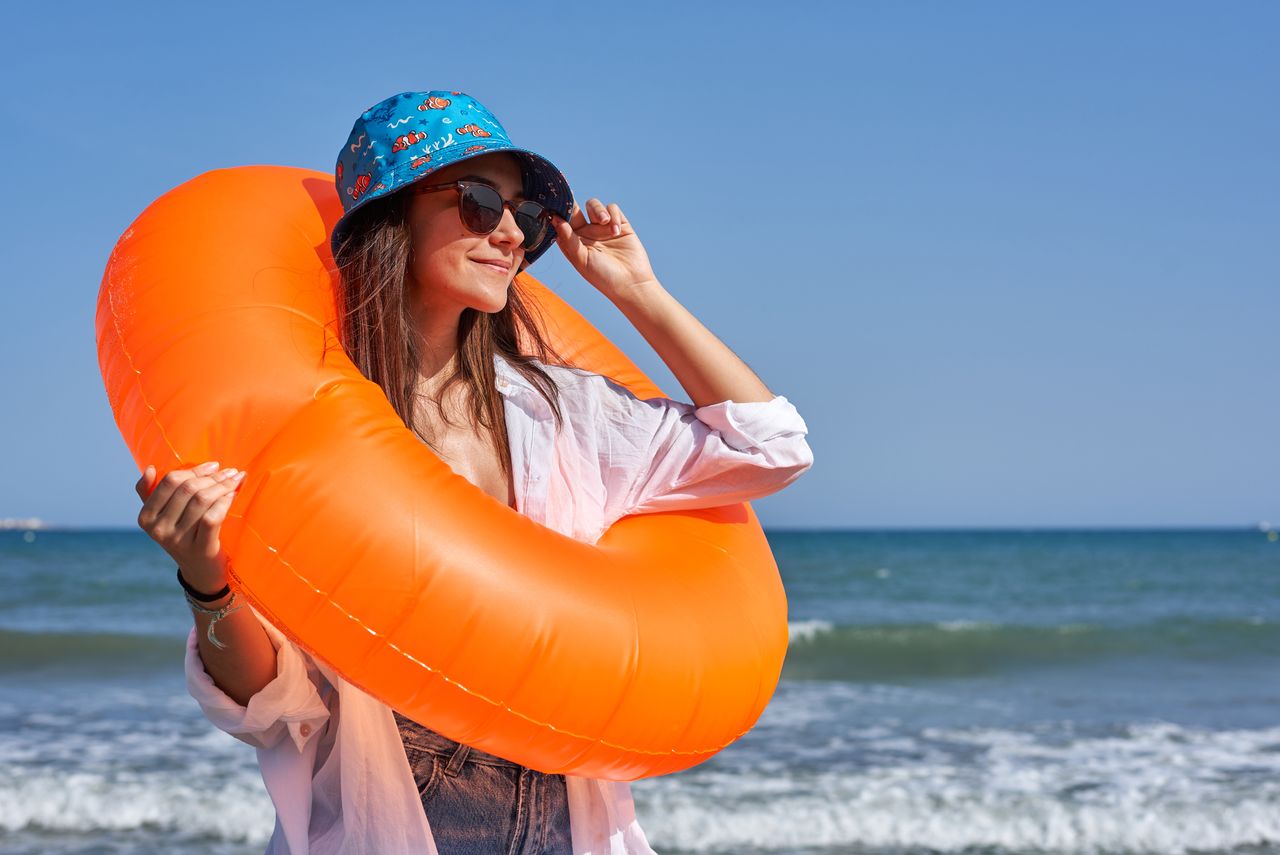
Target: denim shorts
480, 804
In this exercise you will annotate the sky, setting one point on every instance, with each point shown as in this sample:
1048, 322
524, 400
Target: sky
1016, 264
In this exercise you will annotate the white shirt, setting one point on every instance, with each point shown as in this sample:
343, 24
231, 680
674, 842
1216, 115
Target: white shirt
331, 756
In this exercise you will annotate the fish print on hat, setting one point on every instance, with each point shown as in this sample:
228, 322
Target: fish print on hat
410, 135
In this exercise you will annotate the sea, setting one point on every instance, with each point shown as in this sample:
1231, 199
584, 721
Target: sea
982, 691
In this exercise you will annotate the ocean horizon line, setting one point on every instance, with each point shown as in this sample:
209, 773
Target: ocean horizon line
1260, 526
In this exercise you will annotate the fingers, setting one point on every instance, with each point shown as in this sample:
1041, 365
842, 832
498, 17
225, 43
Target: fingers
606, 215
606, 221
599, 211
616, 219
144, 483
154, 505
204, 492
564, 230
176, 505
206, 541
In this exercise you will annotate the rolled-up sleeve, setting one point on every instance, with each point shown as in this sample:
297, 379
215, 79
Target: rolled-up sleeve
290, 703
659, 454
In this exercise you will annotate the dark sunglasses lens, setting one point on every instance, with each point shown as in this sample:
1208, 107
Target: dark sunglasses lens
534, 221
481, 208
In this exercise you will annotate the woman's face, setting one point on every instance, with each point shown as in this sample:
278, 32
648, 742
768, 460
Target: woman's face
451, 268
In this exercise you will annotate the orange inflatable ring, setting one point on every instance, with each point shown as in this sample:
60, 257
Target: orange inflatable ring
640, 655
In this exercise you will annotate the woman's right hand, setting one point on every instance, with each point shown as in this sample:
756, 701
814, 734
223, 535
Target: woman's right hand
184, 512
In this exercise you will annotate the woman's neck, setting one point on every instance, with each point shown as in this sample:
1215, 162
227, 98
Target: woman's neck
437, 357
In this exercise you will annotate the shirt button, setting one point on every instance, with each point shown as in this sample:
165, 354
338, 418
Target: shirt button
305, 730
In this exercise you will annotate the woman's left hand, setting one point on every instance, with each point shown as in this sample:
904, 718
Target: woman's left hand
606, 251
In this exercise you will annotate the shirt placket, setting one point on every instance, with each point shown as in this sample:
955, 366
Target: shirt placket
529, 433
537, 456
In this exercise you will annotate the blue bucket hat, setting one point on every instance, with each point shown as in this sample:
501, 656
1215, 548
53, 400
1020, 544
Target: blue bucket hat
408, 136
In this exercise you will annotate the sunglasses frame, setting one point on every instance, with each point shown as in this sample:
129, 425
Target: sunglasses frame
462, 185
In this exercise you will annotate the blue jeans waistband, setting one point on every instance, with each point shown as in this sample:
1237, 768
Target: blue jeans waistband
426, 739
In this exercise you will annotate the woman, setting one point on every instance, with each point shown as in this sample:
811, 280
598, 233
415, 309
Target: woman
430, 312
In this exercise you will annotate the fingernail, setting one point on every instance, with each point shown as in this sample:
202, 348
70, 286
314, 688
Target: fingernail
239, 476
206, 468
617, 230
227, 473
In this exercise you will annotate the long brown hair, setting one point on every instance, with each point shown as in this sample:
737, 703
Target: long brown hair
376, 327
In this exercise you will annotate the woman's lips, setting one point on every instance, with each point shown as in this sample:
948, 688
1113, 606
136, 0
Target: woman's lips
496, 265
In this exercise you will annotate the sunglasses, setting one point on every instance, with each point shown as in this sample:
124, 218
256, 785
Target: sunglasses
480, 209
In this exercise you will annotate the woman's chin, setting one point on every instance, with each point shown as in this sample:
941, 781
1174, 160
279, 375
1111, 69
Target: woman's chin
492, 306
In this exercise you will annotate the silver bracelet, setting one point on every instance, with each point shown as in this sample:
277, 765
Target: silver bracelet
216, 615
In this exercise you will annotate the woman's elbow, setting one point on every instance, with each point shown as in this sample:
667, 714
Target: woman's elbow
788, 459
778, 470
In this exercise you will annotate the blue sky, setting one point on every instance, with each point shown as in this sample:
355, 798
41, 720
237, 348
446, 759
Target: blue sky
1016, 264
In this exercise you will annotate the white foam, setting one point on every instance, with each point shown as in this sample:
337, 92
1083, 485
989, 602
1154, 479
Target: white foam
829, 764
848, 816
204, 798
806, 630
1153, 787
963, 625
129, 759
844, 707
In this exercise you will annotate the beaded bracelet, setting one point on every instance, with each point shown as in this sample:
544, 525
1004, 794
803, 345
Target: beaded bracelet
216, 615
195, 599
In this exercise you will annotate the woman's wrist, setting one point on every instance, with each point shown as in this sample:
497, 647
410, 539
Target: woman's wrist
205, 591
636, 293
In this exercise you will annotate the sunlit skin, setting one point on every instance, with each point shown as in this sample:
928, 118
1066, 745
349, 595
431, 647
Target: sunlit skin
451, 268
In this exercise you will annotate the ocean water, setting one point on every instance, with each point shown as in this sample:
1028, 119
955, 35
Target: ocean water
976, 692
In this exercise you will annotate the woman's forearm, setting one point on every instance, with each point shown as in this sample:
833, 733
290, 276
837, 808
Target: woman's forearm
705, 366
248, 663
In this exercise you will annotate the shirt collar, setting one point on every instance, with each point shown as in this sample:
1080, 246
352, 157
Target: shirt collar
508, 380
517, 390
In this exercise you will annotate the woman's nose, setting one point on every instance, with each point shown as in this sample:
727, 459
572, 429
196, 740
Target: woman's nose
507, 230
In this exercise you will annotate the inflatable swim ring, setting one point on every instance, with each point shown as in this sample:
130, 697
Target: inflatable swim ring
643, 654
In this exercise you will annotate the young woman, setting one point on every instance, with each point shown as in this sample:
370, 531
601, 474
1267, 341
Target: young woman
441, 211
